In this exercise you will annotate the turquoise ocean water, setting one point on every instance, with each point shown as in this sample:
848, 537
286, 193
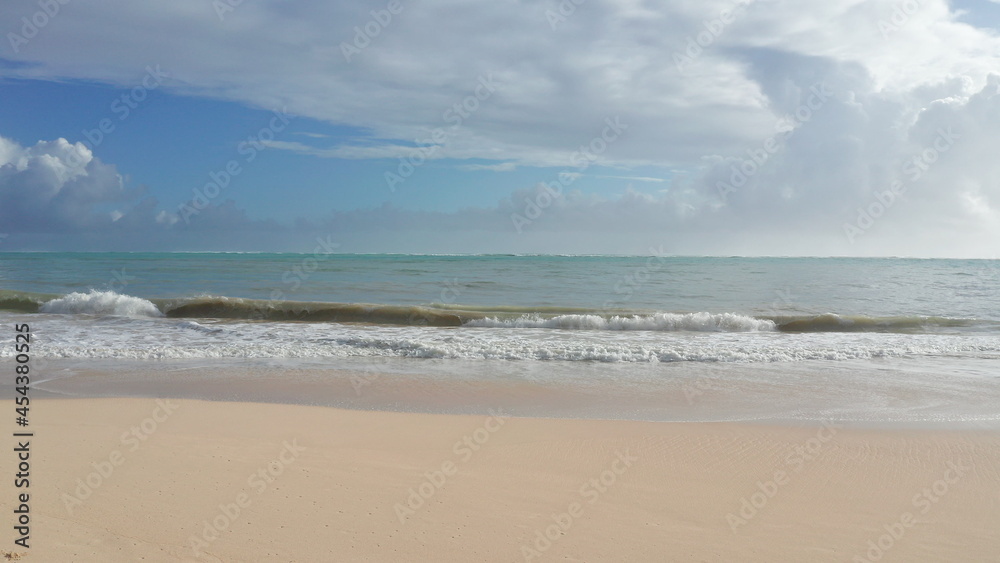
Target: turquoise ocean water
928, 329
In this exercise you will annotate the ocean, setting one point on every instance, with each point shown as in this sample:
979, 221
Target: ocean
886, 340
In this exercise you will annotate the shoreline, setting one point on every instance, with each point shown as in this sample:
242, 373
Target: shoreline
893, 395
264, 482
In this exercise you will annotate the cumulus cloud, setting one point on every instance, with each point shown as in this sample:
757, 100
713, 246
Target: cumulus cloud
58, 186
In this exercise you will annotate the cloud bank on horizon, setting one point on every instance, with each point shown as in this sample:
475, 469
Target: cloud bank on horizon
846, 127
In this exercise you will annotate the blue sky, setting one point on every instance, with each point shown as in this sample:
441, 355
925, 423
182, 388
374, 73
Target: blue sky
171, 143
672, 99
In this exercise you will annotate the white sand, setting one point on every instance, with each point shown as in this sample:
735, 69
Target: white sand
341, 480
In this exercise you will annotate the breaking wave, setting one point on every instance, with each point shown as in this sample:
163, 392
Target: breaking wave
97, 302
101, 303
699, 322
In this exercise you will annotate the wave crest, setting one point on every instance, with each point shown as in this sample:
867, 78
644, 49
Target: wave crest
101, 303
831, 322
670, 322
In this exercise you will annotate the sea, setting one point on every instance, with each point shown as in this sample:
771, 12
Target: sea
881, 341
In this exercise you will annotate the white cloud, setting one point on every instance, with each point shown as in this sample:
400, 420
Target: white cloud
895, 82
55, 185
501, 167
59, 187
553, 87
635, 178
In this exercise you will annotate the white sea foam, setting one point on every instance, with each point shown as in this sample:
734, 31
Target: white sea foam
155, 338
359, 346
191, 325
101, 303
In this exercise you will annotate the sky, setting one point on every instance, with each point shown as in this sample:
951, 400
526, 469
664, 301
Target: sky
730, 127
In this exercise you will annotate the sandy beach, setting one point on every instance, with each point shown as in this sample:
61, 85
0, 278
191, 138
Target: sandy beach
187, 480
